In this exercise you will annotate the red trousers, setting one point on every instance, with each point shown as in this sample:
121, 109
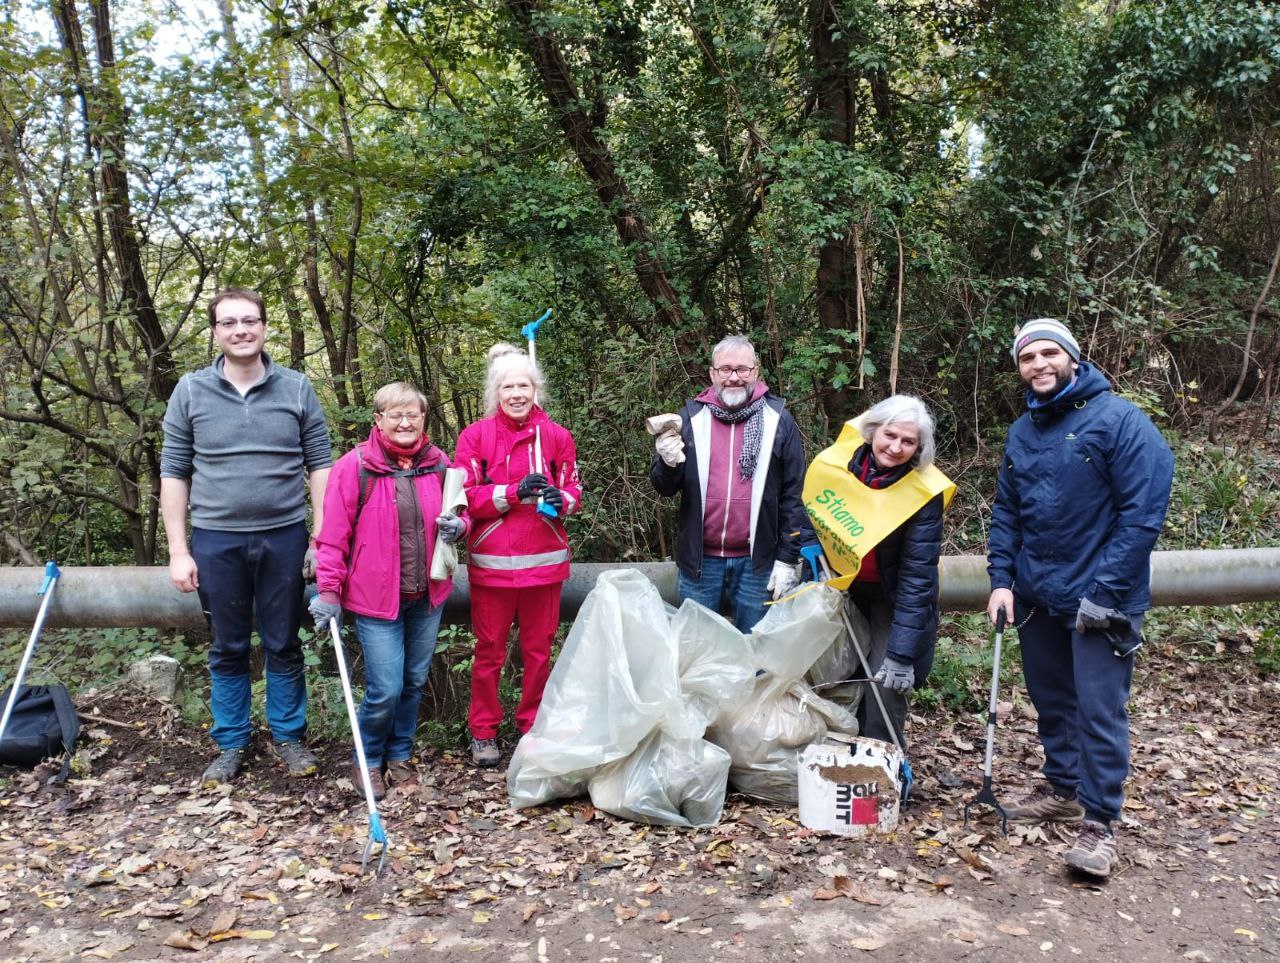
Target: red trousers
493, 610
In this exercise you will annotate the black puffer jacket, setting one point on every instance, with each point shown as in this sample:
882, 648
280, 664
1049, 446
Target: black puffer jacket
907, 560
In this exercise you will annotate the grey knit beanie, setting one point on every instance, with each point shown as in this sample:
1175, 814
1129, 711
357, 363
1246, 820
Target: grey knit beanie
1045, 329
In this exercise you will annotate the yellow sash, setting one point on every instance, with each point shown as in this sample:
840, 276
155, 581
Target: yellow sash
852, 519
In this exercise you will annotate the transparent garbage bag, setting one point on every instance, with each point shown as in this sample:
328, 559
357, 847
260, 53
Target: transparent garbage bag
836, 674
667, 781
765, 734
615, 679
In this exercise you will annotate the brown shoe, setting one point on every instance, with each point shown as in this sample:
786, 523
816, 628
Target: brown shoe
375, 781
401, 772
1044, 806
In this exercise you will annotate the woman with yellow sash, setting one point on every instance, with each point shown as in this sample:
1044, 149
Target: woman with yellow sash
876, 502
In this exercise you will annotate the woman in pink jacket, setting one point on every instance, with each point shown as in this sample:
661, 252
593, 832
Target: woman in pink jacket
522, 481
382, 511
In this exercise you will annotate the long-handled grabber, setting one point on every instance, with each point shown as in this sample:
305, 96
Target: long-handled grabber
530, 333
376, 833
986, 794
51, 575
813, 555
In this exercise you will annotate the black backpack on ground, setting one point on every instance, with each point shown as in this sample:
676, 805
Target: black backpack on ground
43, 725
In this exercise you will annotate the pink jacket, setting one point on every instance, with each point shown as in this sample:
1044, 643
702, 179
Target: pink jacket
510, 544
364, 570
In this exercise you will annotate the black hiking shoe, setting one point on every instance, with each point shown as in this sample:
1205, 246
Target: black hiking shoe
299, 760
223, 769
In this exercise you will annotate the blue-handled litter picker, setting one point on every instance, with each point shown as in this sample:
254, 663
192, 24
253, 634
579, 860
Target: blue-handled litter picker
986, 795
530, 333
377, 835
821, 573
51, 575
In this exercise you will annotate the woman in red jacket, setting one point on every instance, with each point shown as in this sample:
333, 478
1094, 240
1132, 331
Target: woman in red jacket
522, 481
382, 512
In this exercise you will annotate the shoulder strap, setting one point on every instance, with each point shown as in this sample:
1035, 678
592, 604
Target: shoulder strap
70, 726
488, 448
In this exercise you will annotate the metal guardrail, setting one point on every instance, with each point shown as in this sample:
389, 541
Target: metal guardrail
127, 596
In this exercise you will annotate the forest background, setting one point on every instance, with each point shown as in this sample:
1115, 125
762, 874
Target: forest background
877, 192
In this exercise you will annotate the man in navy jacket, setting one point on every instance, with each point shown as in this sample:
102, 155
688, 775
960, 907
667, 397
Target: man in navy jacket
1080, 500
739, 466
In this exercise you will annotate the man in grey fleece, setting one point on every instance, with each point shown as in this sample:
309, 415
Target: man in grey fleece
237, 436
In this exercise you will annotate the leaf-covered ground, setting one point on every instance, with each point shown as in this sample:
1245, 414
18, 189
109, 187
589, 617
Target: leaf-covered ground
136, 862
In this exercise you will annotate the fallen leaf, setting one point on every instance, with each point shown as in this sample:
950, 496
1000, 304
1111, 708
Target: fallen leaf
1225, 839
663, 917
479, 916
825, 894
1243, 932
224, 921
185, 941
868, 943
1013, 929
623, 913
529, 912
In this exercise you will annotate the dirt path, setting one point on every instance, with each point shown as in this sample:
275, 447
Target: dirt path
135, 863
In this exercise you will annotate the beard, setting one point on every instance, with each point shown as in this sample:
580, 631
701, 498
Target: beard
733, 397
1059, 383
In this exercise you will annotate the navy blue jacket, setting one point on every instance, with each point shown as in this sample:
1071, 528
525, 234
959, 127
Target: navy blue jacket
780, 514
907, 562
1080, 501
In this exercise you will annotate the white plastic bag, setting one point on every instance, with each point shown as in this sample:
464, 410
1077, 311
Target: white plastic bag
444, 557
614, 680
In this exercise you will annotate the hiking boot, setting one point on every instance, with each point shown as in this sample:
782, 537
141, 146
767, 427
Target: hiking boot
484, 752
375, 781
1094, 851
224, 768
1045, 806
299, 760
400, 772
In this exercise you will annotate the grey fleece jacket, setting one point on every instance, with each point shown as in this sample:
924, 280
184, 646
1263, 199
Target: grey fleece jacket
244, 455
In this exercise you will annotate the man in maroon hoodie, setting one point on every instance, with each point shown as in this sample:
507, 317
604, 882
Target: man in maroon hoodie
739, 465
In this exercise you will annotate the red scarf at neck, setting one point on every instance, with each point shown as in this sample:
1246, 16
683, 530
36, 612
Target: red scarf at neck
402, 455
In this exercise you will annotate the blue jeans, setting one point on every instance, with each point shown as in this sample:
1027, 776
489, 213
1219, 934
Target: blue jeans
1081, 693
397, 657
248, 577
729, 580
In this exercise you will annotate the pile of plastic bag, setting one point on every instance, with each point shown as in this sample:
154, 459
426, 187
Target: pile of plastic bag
766, 733
651, 712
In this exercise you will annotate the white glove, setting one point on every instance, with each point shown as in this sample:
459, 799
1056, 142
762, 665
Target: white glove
783, 580
670, 448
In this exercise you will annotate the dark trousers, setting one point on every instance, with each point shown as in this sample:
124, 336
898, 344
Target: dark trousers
1081, 692
875, 605
246, 576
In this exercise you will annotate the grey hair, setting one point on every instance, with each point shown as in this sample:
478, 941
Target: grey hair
733, 341
896, 409
503, 359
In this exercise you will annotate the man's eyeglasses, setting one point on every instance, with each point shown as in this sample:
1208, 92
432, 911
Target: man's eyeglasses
741, 370
395, 417
230, 324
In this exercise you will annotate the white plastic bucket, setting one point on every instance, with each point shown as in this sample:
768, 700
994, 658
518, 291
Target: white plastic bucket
850, 790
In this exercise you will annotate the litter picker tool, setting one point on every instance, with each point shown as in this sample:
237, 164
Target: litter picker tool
51, 575
377, 835
986, 795
821, 573
530, 333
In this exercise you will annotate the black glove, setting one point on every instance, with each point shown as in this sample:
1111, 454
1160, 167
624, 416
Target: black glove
1093, 616
553, 497
530, 486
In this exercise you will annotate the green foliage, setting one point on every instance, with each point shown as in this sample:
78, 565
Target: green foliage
961, 676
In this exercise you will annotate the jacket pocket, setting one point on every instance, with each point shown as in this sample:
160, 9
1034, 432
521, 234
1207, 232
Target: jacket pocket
485, 534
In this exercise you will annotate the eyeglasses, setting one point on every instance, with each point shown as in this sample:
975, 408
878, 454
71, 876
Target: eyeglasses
741, 370
230, 324
395, 417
